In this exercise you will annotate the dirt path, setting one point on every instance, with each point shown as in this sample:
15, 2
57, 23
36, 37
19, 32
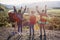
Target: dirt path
51, 34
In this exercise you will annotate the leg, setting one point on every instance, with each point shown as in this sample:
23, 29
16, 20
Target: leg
15, 29
32, 32
44, 33
14, 32
20, 28
40, 32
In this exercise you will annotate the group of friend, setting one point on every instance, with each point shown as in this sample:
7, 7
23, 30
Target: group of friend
17, 16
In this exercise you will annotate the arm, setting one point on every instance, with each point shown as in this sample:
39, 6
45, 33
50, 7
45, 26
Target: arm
37, 10
15, 9
24, 10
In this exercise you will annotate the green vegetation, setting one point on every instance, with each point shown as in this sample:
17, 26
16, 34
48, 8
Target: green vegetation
3, 16
54, 10
55, 21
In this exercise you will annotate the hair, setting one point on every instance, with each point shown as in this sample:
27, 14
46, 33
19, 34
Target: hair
32, 12
42, 10
19, 11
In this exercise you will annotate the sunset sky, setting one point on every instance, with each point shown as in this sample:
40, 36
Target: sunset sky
17, 2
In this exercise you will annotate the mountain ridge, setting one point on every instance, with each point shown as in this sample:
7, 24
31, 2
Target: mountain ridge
51, 4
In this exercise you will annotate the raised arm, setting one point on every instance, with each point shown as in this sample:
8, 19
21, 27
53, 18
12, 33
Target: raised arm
37, 10
15, 9
46, 10
24, 10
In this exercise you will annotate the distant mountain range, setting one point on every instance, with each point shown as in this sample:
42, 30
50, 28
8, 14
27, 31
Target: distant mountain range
50, 4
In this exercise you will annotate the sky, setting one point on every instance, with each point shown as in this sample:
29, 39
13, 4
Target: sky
17, 2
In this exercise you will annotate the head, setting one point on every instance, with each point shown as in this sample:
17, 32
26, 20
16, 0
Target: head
36, 7
45, 5
32, 12
10, 14
19, 11
43, 11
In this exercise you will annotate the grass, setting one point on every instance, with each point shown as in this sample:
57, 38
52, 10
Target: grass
54, 10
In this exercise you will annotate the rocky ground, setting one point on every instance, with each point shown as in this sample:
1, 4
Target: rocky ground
50, 35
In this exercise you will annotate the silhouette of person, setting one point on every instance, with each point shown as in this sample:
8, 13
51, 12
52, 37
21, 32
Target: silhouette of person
32, 23
42, 23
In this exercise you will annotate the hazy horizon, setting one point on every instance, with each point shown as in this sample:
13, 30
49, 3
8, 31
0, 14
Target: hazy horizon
17, 2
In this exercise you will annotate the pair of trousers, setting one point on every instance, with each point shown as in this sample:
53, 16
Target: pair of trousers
42, 27
32, 29
19, 28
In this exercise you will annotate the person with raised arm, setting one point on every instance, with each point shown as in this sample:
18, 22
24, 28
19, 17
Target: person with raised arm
12, 15
20, 17
13, 19
32, 23
42, 22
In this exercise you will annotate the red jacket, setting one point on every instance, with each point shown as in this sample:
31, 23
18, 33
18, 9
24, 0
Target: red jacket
42, 19
13, 17
16, 18
32, 19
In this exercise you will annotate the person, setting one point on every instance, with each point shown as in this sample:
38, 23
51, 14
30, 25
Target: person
32, 23
20, 17
12, 17
42, 23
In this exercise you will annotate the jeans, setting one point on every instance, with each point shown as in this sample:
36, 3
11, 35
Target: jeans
19, 27
31, 29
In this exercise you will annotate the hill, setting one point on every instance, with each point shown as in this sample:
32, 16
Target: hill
50, 4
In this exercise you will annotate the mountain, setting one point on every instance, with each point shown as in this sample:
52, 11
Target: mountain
50, 4
6, 6
9, 6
